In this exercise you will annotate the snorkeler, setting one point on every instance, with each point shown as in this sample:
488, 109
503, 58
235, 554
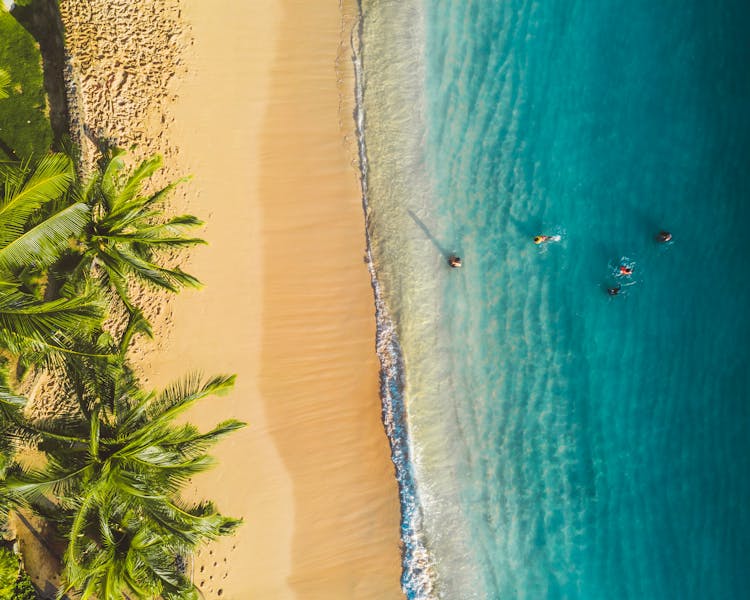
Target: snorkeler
541, 239
625, 270
664, 237
613, 291
455, 261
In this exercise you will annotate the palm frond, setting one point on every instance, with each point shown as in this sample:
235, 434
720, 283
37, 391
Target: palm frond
156, 198
155, 238
187, 442
4, 84
88, 193
175, 399
48, 181
10, 404
152, 273
135, 182
55, 479
137, 323
45, 243
110, 178
26, 323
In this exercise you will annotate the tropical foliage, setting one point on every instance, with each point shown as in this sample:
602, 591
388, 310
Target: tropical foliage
114, 476
4, 84
113, 464
37, 224
9, 568
27, 322
127, 233
15, 583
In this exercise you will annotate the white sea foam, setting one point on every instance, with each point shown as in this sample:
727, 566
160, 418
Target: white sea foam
409, 277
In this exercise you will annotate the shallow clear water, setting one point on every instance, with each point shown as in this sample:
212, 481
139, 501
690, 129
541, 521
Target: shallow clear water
568, 444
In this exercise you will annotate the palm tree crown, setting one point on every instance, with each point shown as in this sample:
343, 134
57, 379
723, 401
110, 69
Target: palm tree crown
115, 473
126, 233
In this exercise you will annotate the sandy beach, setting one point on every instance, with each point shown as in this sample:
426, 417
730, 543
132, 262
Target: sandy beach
260, 114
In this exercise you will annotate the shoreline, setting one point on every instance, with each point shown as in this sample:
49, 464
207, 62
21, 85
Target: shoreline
417, 571
333, 358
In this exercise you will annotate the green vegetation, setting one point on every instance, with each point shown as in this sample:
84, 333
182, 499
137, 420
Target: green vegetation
4, 84
9, 569
24, 126
28, 323
126, 230
114, 474
15, 583
24, 588
113, 464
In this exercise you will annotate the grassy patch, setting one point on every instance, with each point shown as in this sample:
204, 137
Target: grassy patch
24, 125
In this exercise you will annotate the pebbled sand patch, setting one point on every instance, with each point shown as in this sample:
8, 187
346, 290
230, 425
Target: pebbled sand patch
126, 60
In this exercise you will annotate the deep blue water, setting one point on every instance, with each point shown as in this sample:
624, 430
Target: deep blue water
569, 444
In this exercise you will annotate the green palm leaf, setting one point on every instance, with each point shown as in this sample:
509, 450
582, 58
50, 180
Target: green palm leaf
45, 243
24, 196
110, 178
181, 395
4, 84
26, 323
118, 488
135, 182
127, 234
126, 260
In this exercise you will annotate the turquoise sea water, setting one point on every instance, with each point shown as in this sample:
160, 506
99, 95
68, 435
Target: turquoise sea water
553, 441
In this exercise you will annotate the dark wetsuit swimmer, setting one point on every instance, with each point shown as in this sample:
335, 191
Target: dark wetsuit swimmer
663, 237
613, 291
455, 261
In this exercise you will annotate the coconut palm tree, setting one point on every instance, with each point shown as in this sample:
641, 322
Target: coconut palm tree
115, 548
127, 232
114, 474
27, 322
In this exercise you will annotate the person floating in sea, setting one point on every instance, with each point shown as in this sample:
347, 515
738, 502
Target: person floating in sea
663, 237
455, 261
625, 270
543, 239
613, 291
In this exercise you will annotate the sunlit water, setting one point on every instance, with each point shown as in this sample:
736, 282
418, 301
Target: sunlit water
564, 443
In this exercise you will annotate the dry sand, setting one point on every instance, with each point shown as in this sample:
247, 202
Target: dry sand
261, 116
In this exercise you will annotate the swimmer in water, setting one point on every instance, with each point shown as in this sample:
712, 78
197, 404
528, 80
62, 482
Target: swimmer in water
541, 239
455, 261
626, 271
663, 237
613, 291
